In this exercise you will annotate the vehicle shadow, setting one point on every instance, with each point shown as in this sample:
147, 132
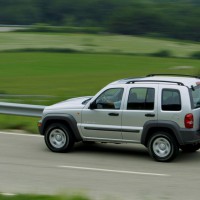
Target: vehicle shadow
188, 157
127, 150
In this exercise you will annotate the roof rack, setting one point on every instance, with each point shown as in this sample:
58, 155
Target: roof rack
132, 78
153, 81
184, 75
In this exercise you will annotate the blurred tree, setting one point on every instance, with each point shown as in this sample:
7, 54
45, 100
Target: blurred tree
136, 20
18, 12
171, 18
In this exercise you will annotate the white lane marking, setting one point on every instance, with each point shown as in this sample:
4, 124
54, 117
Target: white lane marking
20, 134
113, 171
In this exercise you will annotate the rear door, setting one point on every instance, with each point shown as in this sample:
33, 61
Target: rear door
173, 104
140, 107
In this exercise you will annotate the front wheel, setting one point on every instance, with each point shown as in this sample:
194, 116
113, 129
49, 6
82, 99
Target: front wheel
162, 147
59, 138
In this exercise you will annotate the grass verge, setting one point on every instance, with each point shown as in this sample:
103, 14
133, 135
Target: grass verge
42, 197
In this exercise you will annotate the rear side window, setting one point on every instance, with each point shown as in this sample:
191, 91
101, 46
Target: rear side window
171, 100
141, 99
196, 96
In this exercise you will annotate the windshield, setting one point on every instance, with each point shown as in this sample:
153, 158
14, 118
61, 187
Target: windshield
196, 97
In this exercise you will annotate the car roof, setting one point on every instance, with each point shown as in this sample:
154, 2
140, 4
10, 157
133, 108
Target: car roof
187, 80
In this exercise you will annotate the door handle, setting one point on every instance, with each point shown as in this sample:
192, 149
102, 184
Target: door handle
113, 114
150, 115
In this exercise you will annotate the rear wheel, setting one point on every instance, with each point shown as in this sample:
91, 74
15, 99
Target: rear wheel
59, 138
190, 148
162, 147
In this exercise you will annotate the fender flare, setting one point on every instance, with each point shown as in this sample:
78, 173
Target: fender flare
153, 124
68, 119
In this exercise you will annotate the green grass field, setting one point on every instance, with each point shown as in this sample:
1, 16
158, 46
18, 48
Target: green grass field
46, 78
68, 75
103, 43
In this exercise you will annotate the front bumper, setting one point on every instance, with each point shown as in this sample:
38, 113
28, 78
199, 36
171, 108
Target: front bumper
40, 127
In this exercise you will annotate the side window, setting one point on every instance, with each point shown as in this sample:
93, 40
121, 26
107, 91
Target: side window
141, 99
110, 99
171, 100
195, 96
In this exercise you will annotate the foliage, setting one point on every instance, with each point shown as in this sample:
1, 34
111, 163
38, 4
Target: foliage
175, 19
62, 29
163, 53
196, 55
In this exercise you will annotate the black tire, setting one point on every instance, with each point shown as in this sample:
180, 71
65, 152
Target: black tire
190, 148
58, 138
163, 147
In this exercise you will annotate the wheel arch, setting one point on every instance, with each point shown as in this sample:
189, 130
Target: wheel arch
166, 126
66, 120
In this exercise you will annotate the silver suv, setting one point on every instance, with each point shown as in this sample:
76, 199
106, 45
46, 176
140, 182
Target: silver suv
160, 111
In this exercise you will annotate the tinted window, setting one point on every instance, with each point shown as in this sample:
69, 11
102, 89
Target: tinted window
141, 99
171, 100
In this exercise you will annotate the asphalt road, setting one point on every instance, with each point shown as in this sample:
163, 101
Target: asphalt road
101, 171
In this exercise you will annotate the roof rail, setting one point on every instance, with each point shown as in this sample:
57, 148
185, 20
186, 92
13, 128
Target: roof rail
153, 81
184, 75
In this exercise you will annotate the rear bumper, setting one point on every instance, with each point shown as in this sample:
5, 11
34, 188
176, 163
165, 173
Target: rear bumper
190, 136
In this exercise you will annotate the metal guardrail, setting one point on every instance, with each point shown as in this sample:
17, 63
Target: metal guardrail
21, 109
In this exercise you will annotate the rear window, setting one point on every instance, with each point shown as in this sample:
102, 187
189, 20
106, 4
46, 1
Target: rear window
171, 100
196, 97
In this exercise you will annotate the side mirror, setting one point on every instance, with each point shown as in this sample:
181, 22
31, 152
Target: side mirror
93, 105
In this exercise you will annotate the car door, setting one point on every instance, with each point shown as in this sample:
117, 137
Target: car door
140, 107
102, 119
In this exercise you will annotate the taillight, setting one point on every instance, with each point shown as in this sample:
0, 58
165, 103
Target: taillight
189, 120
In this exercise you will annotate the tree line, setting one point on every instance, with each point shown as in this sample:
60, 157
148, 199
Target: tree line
164, 18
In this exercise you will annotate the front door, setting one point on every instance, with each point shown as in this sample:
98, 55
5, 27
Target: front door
103, 121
